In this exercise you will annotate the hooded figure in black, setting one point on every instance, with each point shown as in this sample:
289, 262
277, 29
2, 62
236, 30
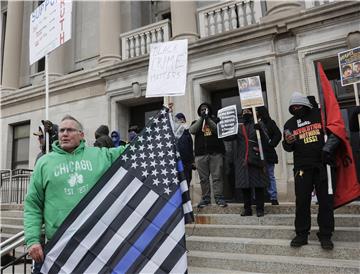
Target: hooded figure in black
272, 137
209, 154
102, 137
304, 136
249, 169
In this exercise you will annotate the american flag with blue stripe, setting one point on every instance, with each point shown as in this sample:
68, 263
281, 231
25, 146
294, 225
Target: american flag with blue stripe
133, 220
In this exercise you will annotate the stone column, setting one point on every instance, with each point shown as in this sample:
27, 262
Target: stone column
109, 31
278, 9
56, 62
183, 20
12, 47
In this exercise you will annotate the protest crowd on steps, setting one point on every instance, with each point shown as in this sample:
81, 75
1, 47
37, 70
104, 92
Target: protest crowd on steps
201, 148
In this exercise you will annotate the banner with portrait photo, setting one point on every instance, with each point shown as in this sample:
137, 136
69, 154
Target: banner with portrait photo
349, 64
250, 92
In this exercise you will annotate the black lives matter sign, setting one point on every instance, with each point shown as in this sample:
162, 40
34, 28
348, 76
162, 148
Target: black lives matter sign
228, 124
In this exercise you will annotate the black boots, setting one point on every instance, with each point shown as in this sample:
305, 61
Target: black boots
325, 242
299, 240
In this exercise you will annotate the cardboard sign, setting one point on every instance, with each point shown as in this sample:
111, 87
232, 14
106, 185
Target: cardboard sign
250, 92
349, 65
50, 27
167, 69
228, 124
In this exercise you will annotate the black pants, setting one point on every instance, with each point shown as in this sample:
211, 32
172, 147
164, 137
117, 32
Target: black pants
259, 198
188, 172
305, 181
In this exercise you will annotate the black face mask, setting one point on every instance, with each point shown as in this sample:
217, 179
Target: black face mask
247, 117
299, 113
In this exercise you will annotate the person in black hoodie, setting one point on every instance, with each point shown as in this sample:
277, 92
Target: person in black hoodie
102, 137
304, 136
272, 137
209, 154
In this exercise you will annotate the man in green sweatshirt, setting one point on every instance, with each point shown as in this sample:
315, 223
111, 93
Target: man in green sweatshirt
60, 180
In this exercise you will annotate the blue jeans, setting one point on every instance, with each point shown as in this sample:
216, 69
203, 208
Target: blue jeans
36, 267
272, 186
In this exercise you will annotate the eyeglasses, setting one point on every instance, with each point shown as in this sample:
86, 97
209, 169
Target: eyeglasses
69, 130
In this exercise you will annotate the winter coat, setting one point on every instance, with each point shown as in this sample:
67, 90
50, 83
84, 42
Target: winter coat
102, 137
206, 138
272, 136
246, 174
185, 146
59, 181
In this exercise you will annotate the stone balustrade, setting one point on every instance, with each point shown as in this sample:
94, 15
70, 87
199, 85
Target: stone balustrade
226, 16
137, 42
315, 3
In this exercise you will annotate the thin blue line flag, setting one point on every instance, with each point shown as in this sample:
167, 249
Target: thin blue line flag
133, 219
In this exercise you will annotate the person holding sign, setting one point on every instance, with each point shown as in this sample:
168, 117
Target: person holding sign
249, 169
209, 154
304, 136
272, 138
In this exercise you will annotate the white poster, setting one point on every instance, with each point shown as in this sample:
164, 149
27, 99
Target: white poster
167, 69
50, 27
228, 124
250, 92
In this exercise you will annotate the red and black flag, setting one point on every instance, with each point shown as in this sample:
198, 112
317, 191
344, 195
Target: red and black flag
347, 184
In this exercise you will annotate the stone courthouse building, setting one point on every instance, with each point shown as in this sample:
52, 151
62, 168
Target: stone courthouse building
99, 76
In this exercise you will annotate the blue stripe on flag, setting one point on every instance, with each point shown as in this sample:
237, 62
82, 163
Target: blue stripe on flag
180, 166
149, 233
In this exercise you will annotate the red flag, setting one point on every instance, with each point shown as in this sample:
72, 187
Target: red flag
347, 185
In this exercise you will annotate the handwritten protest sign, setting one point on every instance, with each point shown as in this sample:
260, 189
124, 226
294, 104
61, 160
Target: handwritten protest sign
349, 64
250, 92
50, 27
167, 69
228, 124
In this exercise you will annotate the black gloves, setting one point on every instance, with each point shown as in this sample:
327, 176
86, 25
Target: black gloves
329, 149
48, 126
257, 126
204, 115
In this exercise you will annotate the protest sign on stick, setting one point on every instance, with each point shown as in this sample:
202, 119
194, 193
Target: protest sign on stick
228, 124
167, 69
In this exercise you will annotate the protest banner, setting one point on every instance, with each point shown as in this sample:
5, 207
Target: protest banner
250, 92
167, 69
251, 97
50, 27
228, 124
349, 65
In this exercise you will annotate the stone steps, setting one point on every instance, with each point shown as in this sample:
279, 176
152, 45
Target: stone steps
222, 240
342, 250
11, 214
12, 221
283, 208
270, 263
11, 229
346, 234
204, 270
341, 220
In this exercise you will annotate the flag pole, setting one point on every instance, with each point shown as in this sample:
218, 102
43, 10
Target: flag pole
258, 135
47, 139
357, 99
323, 110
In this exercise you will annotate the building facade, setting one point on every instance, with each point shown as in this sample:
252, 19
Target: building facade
100, 75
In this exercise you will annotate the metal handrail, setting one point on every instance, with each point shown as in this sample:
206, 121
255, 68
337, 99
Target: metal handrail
12, 246
10, 240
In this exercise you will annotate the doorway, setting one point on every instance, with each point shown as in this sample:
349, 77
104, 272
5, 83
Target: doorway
220, 99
